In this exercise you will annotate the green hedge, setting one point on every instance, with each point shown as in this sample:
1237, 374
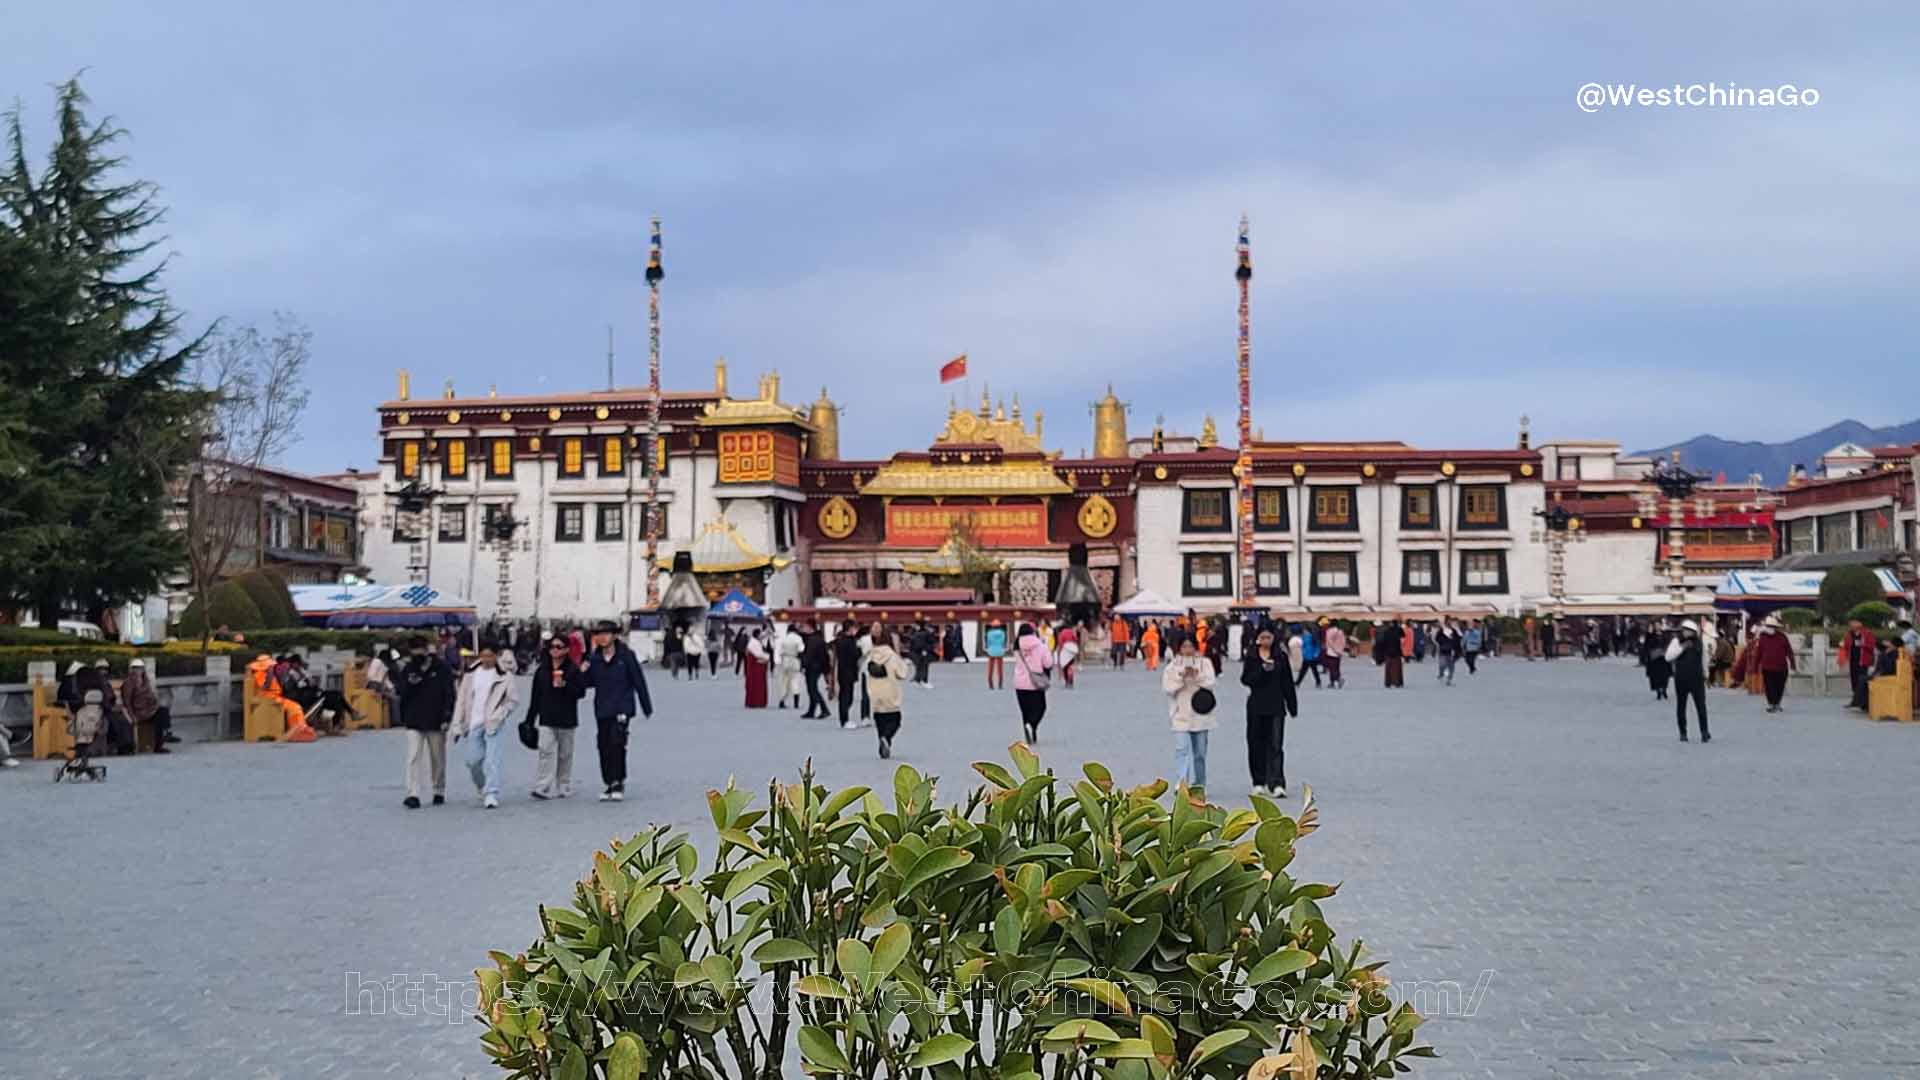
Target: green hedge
14, 660
306, 638
268, 593
231, 607
34, 635
1874, 614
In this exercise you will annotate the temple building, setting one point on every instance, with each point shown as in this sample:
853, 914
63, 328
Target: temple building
987, 504
1358, 529
534, 506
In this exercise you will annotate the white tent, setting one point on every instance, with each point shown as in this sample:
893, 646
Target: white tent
1146, 602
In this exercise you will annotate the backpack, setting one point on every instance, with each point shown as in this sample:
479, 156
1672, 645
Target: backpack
89, 718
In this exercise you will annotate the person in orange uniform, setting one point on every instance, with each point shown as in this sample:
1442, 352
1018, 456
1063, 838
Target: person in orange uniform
1201, 630
1119, 637
1150, 645
269, 688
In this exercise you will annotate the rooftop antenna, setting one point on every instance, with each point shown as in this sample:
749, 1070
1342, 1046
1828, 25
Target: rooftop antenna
609, 356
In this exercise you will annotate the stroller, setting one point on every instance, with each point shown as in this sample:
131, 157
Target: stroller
88, 724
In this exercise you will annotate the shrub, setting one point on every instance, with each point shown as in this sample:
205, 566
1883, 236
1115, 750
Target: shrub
1063, 930
308, 638
1874, 614
1845, 588
231, 607
161, 661
269, 593
35, 635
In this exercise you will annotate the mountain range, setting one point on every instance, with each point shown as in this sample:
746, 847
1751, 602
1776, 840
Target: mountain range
1712, 455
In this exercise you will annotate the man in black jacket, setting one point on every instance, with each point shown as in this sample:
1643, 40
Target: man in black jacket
814, 660
618, 684
554, 705
1689, 678
425, 686
1270, 700
846, 670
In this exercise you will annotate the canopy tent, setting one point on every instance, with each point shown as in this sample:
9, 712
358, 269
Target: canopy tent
1693, 602
1760, 591
353, 606
1145, 603
736, 605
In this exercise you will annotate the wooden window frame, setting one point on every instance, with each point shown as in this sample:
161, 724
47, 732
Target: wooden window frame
1465, 521
1187, 523
495, 470
446, 510
600, 518
573, 456
455, 462
1286, 573
613, 448
1286, 516
1316, 522
1432, 492
561, 534
409, 468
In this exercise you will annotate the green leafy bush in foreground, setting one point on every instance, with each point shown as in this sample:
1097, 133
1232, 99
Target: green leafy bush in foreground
1042, 929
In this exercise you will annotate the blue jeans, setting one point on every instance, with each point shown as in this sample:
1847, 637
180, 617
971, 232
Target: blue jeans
1190, 758
484, 750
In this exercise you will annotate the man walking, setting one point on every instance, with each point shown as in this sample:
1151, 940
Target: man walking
425, 687
1446, 646
480, 712
1470, 644
1334, 651
1685, 653
814, 662
619, 686
846, 671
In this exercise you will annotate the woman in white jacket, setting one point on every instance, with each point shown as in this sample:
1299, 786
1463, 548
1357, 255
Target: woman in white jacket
1186, 675
787, 678
883, 669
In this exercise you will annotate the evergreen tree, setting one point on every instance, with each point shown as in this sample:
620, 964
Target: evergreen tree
92, 362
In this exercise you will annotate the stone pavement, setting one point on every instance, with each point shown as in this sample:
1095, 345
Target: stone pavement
1579, 894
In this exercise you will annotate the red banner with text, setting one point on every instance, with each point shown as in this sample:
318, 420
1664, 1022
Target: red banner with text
926, 525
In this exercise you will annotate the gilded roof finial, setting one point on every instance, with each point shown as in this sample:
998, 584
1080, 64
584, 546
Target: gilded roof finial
448, 393
986, 403
1016, 407
406, 385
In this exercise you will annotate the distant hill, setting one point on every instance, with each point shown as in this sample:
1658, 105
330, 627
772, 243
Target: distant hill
1711, 454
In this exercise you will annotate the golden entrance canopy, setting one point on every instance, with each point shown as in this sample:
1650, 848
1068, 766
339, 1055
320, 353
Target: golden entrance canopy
1030, 477
720, 549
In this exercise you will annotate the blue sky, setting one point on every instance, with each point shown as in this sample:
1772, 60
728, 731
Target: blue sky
853, 193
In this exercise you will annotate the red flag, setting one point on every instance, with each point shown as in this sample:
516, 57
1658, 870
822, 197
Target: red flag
955, 368
1880, 517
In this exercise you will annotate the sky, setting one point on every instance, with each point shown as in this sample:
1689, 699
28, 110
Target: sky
854, 193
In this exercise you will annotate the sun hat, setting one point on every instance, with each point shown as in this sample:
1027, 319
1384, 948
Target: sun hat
137, 663
74, 668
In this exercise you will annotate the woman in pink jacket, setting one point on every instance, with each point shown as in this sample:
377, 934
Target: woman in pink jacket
1032, 664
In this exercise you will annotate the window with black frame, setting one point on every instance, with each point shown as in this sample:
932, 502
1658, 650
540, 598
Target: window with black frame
1205, 510
1333, 510
1420, 572
1483, 506
1483, 571
453, 523
569, 522
1270, 573
1270, 509
1208, 573
1419, 507
610, 521
1335, 573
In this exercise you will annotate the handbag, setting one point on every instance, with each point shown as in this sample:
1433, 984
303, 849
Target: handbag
1203, 701
1040, 679
529, 734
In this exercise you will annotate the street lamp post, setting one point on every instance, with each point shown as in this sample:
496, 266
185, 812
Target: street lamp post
1557, 527
500, 531
1677, 484
410, 504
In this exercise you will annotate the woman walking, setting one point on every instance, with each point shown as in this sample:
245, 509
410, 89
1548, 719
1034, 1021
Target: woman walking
1659, 669
480, 710
1069, 639
787, 650
1270, 700
754, 657
553, 703
1333, 653
885, 668
1187, 675
1032, 667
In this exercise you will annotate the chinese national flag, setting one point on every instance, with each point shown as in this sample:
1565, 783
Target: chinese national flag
955, 368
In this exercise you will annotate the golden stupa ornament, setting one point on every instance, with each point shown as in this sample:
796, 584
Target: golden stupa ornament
1098, 518
1209, 435
837, 518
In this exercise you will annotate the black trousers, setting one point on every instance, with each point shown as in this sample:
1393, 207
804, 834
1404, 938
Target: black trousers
1860, 676
816, 701
887, 724
846, 698
1697, 693
1033, 706
610, 736
713, 664
921, 661
162, 724
1267, 749
1776, 684
1305, 667
1469, 656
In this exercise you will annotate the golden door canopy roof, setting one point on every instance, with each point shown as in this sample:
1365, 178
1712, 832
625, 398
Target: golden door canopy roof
720, 549
1017, 476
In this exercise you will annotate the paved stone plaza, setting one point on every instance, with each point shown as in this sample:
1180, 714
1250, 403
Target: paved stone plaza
1608, 901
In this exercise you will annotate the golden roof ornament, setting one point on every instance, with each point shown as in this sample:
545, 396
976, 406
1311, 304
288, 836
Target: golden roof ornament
1209, 435
406, 385
448, 393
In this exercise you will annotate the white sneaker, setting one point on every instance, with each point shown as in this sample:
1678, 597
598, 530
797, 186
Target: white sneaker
566, 793
1277, 792
606, 795
490, 803
617, 795
10, 763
